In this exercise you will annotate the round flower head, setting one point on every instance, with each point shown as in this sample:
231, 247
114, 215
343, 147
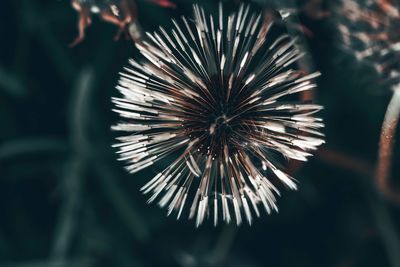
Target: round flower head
370, 30
216, 103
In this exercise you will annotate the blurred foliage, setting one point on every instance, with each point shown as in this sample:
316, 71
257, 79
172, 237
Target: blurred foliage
66, 201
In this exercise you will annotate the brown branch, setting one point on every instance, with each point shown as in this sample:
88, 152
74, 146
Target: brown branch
386, 147
346, 162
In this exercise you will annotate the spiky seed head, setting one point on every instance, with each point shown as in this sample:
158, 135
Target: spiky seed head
217, 102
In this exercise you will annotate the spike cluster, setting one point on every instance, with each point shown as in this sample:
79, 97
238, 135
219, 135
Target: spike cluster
370, 30
217, 102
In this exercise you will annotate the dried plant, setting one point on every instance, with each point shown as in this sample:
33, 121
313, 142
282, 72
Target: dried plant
221, 96
122, 13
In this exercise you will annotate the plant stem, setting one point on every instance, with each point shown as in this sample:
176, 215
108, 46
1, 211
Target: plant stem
386, 147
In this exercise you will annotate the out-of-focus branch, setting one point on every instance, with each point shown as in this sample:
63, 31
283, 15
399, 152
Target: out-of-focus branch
23, 147
74, 174
346, 162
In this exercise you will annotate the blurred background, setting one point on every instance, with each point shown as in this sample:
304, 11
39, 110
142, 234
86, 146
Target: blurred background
66, 201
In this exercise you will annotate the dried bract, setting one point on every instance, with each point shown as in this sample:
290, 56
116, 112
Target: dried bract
122, 13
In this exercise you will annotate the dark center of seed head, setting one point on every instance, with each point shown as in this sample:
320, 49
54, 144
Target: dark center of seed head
219, 124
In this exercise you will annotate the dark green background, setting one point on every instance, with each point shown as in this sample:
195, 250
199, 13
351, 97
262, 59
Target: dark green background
66, 201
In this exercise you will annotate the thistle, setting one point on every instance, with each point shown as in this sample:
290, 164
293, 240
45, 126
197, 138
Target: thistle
216, 104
